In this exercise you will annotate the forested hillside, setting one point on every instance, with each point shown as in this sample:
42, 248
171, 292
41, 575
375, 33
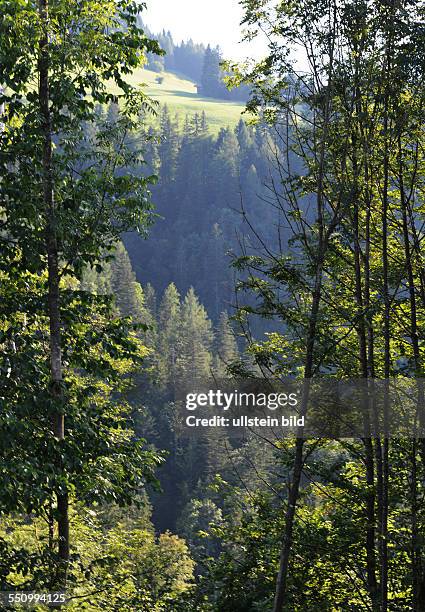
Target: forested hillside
153, 256
206, 186
184, 346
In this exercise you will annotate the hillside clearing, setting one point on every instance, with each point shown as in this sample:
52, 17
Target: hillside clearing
180, 95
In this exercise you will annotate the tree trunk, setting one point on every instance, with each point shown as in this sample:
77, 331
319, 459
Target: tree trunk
367, 441
56, 383
281, 582
289, 526
323, 237
387, 325
418, 576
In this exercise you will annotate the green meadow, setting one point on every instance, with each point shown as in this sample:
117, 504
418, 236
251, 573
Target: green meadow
180, 95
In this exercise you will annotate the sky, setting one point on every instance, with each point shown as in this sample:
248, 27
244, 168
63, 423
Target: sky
206, 21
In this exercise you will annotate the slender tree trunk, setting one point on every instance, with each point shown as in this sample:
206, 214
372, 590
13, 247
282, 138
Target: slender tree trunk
284, 561
415, 546
418, 577
285, 552
371, 337
362, 297
385, 449
367, 441
56, 385
387, 324
281, 582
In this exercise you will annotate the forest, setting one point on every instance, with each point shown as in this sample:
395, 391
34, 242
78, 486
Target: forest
142, 253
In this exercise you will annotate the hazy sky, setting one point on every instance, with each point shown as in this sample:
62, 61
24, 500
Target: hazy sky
207, 21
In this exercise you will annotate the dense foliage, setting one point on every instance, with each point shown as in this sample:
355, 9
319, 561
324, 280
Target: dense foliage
318, 205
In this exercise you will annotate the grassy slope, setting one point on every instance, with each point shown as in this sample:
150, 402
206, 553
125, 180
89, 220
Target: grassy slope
180, 96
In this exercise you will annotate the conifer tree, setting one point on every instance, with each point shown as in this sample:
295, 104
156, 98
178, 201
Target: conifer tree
245, 138
225, 171
127, 291
150, 300
194, 357
168, 147
226, 348
169, 320
150, 336
211, 82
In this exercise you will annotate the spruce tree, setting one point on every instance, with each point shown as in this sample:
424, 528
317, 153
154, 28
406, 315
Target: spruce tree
211, 82
194, 357
224, 171
226, 348
150, 336
168, 148
127, 291
169, 320
150, 300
